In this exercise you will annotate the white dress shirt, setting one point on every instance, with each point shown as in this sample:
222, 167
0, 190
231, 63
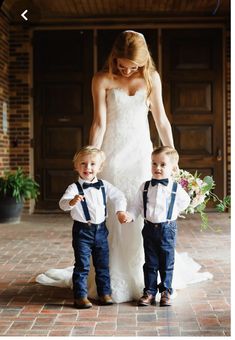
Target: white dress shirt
158, 201
94, 200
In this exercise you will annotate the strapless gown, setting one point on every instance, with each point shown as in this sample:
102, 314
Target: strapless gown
128, 148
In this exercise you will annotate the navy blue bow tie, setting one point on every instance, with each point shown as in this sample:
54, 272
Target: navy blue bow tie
96, 185
163, 181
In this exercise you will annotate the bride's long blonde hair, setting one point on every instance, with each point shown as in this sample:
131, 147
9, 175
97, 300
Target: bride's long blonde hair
132, 45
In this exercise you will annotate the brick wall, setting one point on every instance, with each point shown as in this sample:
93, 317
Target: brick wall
19, 97
15, 91
4, 91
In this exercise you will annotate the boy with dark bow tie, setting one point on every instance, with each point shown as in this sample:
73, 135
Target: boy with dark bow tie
159, 201
86, 201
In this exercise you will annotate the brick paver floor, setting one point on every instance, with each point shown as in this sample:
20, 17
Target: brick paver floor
41, 242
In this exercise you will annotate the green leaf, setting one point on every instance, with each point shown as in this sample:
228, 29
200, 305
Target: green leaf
18, 185
209, 180
224, 204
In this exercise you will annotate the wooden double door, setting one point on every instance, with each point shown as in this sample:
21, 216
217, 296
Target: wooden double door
191, 71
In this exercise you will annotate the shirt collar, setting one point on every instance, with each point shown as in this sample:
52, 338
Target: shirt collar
81, 180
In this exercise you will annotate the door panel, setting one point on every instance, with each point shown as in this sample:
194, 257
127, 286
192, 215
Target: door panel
192, 90
191, 97
63, 68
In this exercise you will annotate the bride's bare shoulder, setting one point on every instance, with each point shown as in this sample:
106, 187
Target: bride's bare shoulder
156, 80
102, 79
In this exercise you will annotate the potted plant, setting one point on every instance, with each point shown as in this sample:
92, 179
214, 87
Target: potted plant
15, 188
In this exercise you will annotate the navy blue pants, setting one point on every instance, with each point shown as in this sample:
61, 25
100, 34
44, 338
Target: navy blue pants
90, 241
159, 248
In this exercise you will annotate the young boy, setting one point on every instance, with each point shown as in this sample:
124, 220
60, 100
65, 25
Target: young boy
86, 201
159, 201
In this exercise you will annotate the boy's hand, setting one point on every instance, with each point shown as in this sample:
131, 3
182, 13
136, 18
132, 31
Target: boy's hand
77, 198
124, 217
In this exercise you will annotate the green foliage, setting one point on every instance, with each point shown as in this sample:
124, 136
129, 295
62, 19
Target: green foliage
201, 192
224, 204
220, 207
18, 185
209, 184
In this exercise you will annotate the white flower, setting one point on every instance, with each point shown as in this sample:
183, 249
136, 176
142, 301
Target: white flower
199, 199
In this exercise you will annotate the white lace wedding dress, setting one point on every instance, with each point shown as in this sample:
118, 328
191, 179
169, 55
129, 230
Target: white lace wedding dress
128, 147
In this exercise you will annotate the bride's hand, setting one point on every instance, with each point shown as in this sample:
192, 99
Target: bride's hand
176, 170
123, 217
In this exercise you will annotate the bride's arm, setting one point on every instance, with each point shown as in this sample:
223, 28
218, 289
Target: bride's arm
158, 111
98, 126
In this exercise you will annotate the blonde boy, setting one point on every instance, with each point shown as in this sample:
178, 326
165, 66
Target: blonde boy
86, 201
159, 201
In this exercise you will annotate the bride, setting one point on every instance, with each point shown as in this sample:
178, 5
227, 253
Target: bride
123, 94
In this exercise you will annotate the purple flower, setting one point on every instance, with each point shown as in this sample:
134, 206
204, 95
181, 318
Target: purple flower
184, 183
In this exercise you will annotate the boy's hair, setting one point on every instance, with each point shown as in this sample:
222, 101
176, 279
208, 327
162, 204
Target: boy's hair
169, 151
88, 150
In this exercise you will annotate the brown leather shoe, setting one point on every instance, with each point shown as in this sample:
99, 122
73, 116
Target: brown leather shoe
147, 300
165, 299
105, 300
82, 303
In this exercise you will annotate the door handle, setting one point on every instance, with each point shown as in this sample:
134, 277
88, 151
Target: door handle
219, 155
64, 119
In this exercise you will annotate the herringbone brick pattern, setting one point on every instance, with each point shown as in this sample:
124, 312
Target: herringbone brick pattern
41, 242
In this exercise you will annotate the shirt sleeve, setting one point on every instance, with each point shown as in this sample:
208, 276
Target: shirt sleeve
183, 199
116, 196
136, 207
69, 194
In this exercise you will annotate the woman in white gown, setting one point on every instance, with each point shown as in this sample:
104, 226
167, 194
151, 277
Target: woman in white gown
123, 94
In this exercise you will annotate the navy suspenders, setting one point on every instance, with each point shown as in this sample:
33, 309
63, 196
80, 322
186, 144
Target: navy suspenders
173, 194
84, 204
170, 209
145, 193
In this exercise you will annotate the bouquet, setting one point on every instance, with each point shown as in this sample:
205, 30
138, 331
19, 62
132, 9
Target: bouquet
200, 192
